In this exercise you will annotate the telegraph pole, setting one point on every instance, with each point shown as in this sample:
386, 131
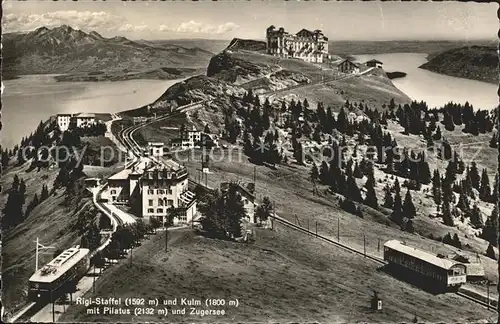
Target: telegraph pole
166, 237
37, 250
338, 229
53, 312
131, 253
364, 245
316, 228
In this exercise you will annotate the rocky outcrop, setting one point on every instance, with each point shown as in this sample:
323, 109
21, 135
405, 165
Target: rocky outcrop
228, 67
247, 44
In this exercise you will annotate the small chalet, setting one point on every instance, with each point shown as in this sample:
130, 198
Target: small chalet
374, 63
347, 66
247, 197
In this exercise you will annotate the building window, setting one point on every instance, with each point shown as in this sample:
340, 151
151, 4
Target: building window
161, 191
150, 202
170, 202
169, 191
159, 210
151, 210
151, 191
160, 202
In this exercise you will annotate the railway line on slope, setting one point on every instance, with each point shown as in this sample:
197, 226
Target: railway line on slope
130, 142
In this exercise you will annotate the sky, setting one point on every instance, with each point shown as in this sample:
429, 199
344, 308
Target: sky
249, 19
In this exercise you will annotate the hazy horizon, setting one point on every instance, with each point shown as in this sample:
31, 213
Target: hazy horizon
340, 21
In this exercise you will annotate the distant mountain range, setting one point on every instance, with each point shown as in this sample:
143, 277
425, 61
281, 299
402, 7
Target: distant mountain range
64, 50
471, 62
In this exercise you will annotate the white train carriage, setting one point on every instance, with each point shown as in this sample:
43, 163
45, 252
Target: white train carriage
69, 266
443, 273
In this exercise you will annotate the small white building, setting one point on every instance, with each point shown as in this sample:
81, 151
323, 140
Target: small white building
189, 139
63, 121
155, 149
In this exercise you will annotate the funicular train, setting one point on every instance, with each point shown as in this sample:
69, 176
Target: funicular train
441, 274
67, 268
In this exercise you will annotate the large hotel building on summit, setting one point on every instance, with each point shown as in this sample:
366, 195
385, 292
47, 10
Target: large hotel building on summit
310, 46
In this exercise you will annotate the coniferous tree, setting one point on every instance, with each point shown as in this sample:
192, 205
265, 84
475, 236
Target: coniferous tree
397, 212
490, 252
323, 172
463, 202
490, 230
388, 200
446, 212
494, 140
409, 226
371, 196
436, 187
408, 206
353, 192
314, 175
476, 218
424, 171
45, 193
357, 171
484, 187
474, 176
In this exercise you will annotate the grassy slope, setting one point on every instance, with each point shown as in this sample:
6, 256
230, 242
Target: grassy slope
290, 188
49, 221
284, 275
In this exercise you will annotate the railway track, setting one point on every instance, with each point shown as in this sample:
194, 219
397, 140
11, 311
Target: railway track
136, 148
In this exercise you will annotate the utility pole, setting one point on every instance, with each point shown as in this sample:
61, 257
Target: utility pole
378, 245
206, 180
488, 289
166, 237
53, 312
131, 253
364, 245
308, 224
38, 248
316, 228
338, 229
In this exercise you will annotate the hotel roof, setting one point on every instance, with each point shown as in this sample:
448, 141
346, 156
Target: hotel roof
85, 115
347, 60
422, 255
62, 263
156, 144
122, 175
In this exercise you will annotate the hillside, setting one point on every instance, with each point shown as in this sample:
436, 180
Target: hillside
474, 62
283, 276
58, 216
239, 68
64, 50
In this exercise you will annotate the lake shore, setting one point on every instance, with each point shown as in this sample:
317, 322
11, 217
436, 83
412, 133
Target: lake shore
434, 88
157, 74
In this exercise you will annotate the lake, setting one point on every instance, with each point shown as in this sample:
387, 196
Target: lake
32, 98
433, 88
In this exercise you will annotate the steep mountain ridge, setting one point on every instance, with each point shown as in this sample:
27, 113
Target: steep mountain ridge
471, 62
66, 50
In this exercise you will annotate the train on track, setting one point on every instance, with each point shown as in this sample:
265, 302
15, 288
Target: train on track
439, 274
66, 269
